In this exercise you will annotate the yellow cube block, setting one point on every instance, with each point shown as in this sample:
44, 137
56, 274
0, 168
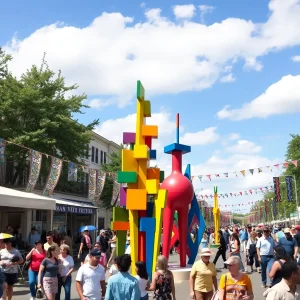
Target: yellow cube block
136, 199
141, 152
129, 163
147, 108
152, 186
150, 130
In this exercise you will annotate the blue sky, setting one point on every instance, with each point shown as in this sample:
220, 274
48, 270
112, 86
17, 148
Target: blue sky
193, 57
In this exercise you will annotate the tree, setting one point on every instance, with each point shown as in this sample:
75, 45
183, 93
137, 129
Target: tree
114, 165
36, 111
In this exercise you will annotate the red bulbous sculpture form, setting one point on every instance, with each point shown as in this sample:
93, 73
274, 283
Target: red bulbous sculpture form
180, 190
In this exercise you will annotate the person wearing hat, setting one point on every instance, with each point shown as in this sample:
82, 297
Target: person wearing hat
203, 277
265, 250
90, 279
289, 243
235, 284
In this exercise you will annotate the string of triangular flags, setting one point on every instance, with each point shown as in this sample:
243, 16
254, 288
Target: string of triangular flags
96, 178
245, 172
264, 189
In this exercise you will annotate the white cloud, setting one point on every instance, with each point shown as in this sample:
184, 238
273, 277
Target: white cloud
207, 136
228, 78
296, 58
100, 103
282, 97
205, 9
244, 146
106, 57
233, 136
184, 11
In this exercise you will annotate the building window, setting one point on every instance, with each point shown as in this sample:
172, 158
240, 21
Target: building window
101, 157
97, 156
105, 157
101, 224
93, 154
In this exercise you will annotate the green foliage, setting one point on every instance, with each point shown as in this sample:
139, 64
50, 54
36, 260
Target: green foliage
114, 165
36, 111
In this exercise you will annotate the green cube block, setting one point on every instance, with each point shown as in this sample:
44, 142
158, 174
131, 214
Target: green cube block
127, 177
140, 92
120, 214
162, 176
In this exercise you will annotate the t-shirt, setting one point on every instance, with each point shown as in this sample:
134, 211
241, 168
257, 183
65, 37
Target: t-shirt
36, 260
85, 240
90, 278
203, 276
113, 270
234, 289
65, 265
279, 235
51, 269
6, 257
142, 285
47, 246
288, 244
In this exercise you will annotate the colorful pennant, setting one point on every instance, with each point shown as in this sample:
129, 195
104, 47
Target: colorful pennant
72, 172
289, 188
35, 167
54, 174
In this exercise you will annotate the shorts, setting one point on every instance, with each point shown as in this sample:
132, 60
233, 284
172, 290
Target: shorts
50, 285
10, 278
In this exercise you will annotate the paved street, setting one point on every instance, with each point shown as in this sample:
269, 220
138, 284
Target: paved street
182, 288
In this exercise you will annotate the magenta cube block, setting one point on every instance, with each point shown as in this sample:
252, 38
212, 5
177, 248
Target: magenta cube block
128, 137
122, 196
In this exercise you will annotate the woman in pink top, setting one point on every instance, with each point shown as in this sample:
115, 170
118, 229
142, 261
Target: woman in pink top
36, 255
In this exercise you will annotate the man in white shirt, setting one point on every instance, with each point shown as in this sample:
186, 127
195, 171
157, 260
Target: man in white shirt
288, 287
90, 279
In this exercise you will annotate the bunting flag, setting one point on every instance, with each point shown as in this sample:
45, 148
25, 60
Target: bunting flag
72, 172
295, 163
35, 167
277, 189
289, 188
209, 177
200, 178
92, 184
269, 167
54, 174
192, 178
277, 166
226, 174
285, 164
2, 151
116, 191
100, 182
251, 171
243, 172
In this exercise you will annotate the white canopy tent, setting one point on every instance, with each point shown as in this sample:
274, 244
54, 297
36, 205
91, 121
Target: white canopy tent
15, 198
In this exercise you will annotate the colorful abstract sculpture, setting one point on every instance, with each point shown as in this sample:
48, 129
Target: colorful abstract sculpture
194, 217
180, 195
140, 185
216, 212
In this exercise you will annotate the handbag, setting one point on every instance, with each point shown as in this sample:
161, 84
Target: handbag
39, 294
27, 264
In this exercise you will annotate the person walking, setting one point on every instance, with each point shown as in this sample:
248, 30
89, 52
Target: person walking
113, 245
281, 257
203, 277
204, 241
33, 237
103, 258
114, 267
50, 242
235, 284
235, 246
35, 256
265, 249
85, 246
163, 281
251, 253
48, 274
122, 285
10, 258
243, 235
90, 279
289, 244
221, 249
288, 288
66, 267
142, 278
226, 235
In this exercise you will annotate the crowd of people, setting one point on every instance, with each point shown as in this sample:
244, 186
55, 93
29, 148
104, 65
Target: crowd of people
272, 252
